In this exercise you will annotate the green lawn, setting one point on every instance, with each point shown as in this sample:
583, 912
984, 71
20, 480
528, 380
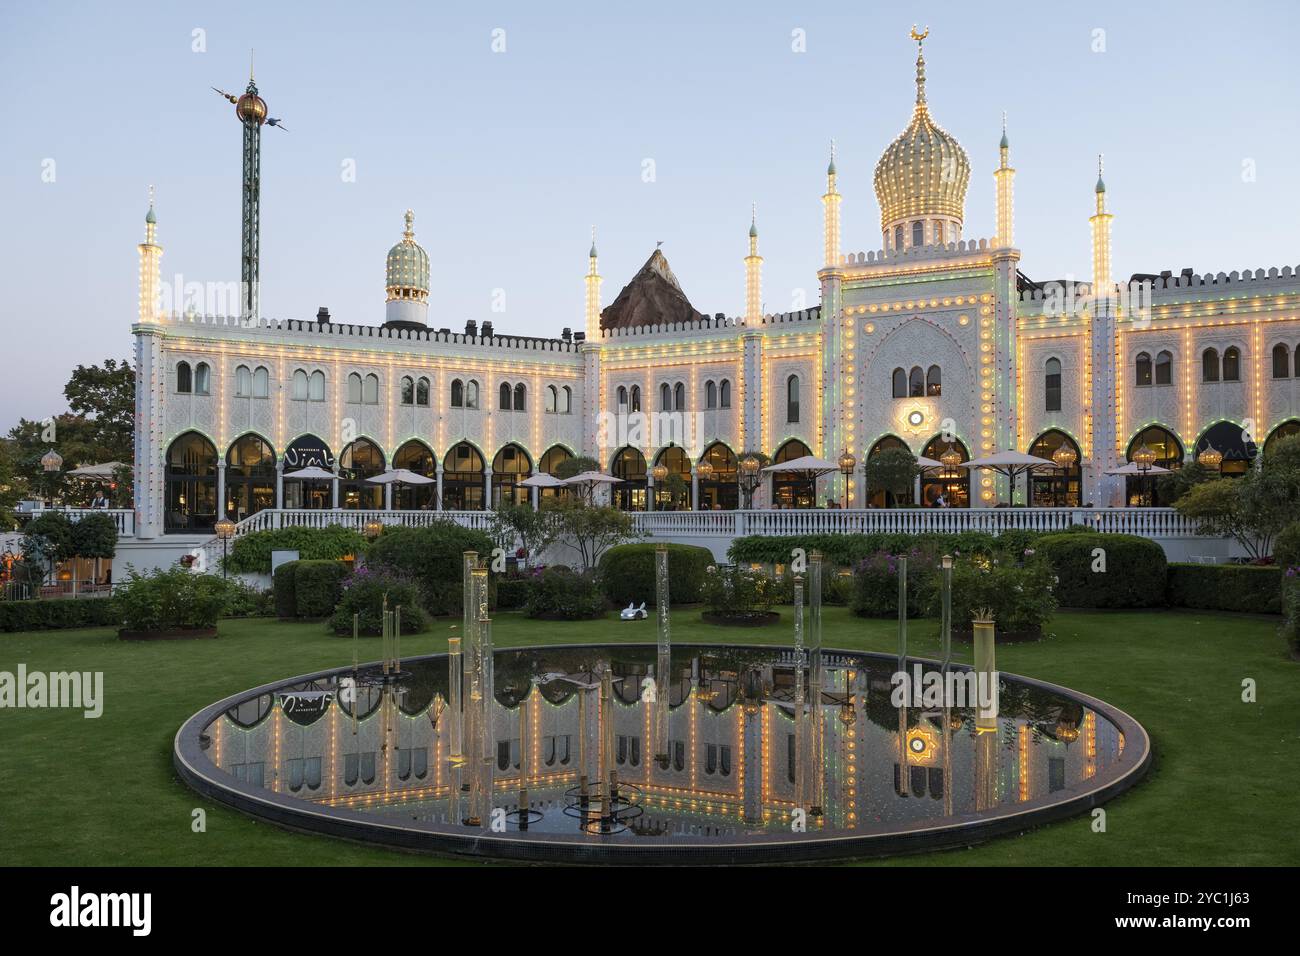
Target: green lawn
1224, 788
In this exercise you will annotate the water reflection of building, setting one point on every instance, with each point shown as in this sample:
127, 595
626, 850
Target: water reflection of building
732, 749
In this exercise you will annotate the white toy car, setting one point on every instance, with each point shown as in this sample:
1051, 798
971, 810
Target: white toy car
633, 613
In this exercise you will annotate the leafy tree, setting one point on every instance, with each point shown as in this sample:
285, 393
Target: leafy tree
104, 395
534, 530
1253, 509
94, 536
674, 490
576, 466
592, 530
47, 540
1178, 482
893, 471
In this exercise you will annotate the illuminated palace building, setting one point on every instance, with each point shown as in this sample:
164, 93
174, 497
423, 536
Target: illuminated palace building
933, 341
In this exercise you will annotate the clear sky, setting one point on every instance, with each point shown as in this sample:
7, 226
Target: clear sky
509, 157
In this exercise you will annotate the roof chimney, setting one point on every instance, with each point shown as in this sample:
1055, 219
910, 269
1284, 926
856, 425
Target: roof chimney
471, 328
323, 314
566, 334
487, 330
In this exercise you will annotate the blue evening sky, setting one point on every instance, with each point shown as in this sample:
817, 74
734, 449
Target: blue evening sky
508, 158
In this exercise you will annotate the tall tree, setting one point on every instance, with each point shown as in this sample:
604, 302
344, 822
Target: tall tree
105, 396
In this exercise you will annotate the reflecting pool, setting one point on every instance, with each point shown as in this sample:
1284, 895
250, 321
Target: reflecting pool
726, 754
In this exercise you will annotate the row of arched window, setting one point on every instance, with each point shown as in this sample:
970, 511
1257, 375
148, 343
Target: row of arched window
917, 384
1282, 362
252, 383
672, 397
195, 381
1214, 367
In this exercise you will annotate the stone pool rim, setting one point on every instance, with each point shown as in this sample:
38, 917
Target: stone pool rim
302, 816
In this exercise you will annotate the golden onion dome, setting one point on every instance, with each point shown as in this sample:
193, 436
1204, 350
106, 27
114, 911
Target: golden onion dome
407, 270
925, 171
250, 107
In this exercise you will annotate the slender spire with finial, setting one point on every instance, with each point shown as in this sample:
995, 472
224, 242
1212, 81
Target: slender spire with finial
592, 254
1101, 183
920, 64
409, 234
149, 217
830, 170
753, 221
1004, 144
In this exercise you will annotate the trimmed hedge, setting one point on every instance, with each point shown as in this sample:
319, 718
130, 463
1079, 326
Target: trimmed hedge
432, 557
512, 593
41, 615
846, 550
285, 587
561, 595
1291, 610
1135, 575
1226, 587
317, 587
251, 553
627, 573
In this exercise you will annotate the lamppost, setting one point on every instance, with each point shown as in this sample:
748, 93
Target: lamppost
749, 478
225, 530
1065, 457
1145, 458
373, 529
950, 459
51, 462
847, 464
660, 472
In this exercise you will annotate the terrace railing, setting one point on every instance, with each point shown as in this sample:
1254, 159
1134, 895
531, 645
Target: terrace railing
124, 518
1145, 522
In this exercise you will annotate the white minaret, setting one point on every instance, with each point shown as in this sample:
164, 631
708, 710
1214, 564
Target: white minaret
150, 387
831, 216
753, 273
592, 281
1100, 222
150, 266
1004, 178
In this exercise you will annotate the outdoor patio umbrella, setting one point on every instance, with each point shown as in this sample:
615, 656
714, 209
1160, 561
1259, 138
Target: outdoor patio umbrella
588, 480
105, 470
809, 466
926, 463
399, 477
541, 480
1132, 469
311, 473
1009, 463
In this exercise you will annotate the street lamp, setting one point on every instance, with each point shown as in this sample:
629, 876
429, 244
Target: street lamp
749, 468
373, 529
660, 472
51, 461
1065, 457
847, 464
225, 530
1145, 458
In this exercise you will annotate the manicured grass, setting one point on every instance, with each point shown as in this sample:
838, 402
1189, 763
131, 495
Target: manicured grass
1224, 789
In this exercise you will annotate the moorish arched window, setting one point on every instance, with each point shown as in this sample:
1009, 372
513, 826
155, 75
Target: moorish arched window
299, 388
261, 382
1164, 367
243, 382
1232, 364
184, 378
354, 389
933, 381
521, 397
1281, 361
471, 394
503, 399
457, 393
202, 379
724, 394
407, 389
1210, 365
1142, 368
792, 399
900, 383
1052, 385
679, 397
552, 398
622, 398
710, 394
636, 398
316, 386
915, 382
665, 398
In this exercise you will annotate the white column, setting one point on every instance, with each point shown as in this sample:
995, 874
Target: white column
437, 474
334, 490
649, 492
695, 489
487, 488
221, 488
279, 483
535, 495
388, 496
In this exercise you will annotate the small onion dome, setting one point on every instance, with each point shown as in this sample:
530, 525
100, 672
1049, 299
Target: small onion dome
408, 267
251, 108
1101, 184
925, 171
149, 217
1004, 143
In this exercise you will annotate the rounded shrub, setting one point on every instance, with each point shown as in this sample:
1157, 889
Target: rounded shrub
513, 591
251, 553
169, 600
875, 580
431, 557
363, 593
318, 586
284, 585
1134, 575
627, 573
559, 594
1286, 547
